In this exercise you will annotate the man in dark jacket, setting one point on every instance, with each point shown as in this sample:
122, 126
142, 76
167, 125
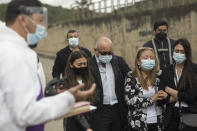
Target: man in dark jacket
161, 44
62, 55
109, 73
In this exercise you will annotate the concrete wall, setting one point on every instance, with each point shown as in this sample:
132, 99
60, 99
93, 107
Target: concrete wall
128, 31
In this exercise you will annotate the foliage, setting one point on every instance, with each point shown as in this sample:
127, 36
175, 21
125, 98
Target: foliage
2, 11
56, 15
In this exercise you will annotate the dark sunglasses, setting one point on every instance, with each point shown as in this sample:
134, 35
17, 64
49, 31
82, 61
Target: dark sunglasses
105, 52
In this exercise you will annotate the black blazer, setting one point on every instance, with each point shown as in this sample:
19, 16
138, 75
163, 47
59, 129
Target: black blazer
188, 95
120, 69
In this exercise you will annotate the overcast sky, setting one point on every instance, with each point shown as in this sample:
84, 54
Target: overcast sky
63, 3
68, 3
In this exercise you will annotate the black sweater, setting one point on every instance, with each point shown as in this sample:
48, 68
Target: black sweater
188, 95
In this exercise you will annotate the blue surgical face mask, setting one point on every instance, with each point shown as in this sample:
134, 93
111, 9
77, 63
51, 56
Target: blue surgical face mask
179, 58
73, 42
147, 64
34, 38
105, 58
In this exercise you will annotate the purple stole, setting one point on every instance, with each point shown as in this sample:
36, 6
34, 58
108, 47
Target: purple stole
39, 127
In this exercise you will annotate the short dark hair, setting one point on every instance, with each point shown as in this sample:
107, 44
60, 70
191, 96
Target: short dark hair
13, 9
159, 23
71, 31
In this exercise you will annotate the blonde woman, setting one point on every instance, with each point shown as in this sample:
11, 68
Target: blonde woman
141, 93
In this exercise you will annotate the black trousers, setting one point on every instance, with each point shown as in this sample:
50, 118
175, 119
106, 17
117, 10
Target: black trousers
71, 124
108, 118
151, 127
174, 122
187, 128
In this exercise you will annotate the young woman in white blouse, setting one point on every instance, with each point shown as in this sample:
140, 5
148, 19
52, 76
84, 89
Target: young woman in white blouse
141, 93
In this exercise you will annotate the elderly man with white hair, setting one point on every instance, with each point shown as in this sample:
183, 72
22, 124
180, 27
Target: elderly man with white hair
109, 73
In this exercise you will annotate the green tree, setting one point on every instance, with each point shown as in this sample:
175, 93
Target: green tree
2, 11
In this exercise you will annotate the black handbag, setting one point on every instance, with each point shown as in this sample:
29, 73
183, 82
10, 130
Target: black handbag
51, 87
187, 119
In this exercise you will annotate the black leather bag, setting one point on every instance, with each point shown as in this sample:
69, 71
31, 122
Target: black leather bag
187, 119
52, 86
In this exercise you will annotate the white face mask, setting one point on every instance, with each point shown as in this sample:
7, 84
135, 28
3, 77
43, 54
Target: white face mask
179, 58
105, 58
34, 38
147, 64
73, 42
41, 16
40, 32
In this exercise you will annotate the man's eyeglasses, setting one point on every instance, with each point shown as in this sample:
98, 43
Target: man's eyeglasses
105, 52
179, 51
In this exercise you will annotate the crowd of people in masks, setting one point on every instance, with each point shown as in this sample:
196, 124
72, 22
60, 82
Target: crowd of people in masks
151, 97
143, 99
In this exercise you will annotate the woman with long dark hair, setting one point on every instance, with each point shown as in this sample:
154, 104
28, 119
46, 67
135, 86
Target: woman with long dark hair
180, 82
78, 71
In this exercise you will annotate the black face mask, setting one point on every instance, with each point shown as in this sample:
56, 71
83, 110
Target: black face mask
33, 46
80, 71
161, 36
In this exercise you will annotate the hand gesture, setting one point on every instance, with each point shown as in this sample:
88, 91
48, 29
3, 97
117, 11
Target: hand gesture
89, 129
162, 94
156, 97
60, 89
167, 89
82, 95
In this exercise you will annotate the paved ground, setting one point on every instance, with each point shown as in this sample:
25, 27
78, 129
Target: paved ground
47, 65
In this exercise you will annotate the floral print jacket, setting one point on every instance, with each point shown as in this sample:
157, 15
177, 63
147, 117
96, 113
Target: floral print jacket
138, 104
